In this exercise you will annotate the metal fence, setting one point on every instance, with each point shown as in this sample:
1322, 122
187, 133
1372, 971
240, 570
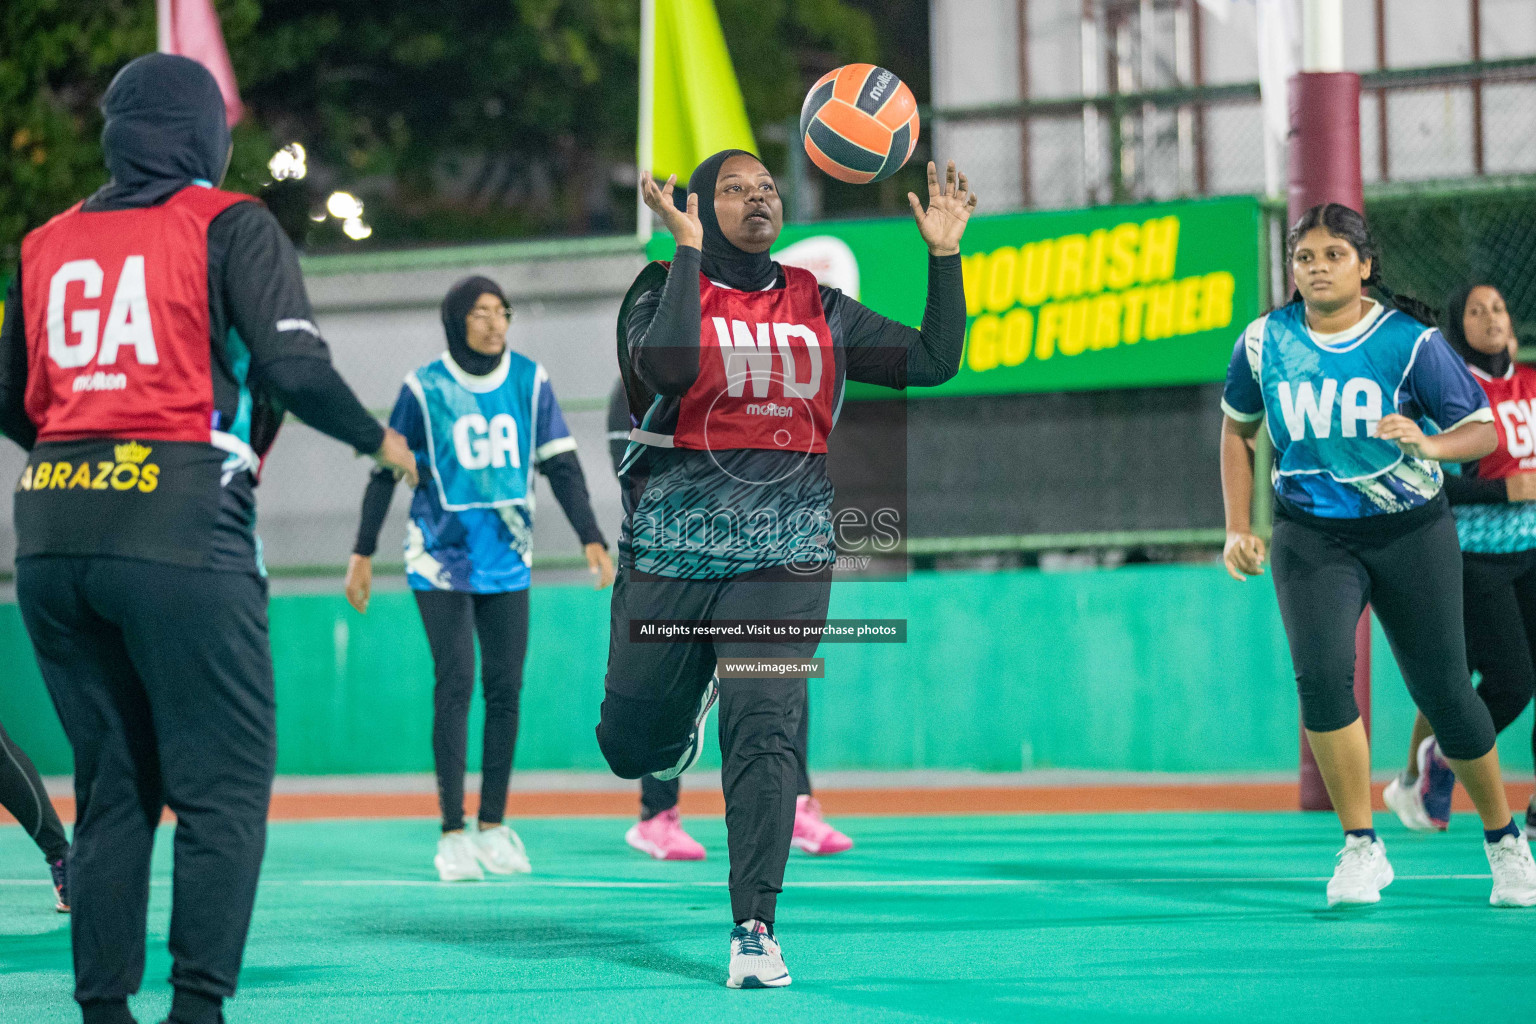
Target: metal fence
1434, 124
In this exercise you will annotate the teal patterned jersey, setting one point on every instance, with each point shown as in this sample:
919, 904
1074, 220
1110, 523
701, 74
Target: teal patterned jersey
1496, 529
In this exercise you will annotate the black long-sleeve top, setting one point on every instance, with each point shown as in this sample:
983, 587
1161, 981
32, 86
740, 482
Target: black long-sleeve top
566, 480
712, 514
259, 311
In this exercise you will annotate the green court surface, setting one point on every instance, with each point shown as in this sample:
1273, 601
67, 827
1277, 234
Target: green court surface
1167, 917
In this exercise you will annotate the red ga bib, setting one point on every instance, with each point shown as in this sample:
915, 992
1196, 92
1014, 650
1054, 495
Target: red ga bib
767, 370
117, 322
1513, 399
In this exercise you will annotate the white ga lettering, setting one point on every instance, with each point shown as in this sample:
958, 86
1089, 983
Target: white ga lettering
127, 321
746, 352
1516, 415
479, 444
1360, 408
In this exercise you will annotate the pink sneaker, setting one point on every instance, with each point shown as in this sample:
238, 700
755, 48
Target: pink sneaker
663, 837
814, 835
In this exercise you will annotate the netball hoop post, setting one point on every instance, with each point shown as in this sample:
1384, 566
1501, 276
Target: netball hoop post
1324, 167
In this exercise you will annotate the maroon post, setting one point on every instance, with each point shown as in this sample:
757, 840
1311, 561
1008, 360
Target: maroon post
1324, 158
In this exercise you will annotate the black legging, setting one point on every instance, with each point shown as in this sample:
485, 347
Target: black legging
453, 620
22, 794
657, 796
1499, 609
1407, 565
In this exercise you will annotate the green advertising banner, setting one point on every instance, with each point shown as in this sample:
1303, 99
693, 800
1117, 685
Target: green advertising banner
1110, 297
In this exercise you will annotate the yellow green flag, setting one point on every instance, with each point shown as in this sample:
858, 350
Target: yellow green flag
696, 107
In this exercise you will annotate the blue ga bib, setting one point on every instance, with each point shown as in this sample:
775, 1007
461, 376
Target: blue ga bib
480, 432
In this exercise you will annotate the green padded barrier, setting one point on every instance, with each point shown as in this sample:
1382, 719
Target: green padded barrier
1156, 668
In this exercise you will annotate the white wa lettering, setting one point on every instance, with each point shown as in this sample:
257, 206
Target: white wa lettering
1359, 407
1306, 408
1361, 404
479, 444
128, 322
746, 353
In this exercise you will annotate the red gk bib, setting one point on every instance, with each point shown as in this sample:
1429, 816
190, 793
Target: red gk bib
1513, 399
116, 312
767, 371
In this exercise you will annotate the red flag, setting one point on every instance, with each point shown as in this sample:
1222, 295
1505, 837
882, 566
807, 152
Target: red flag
191, 29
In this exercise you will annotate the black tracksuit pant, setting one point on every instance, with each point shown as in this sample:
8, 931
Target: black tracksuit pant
1499, 600
1407, 565
452, 620
22, 794
162, 677
651, 696
657, 796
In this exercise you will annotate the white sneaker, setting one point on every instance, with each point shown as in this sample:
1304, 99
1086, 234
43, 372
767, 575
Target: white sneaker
1514, 872
1361, 872
756, 960
1407, 801
455, 859
696, 738
501, 851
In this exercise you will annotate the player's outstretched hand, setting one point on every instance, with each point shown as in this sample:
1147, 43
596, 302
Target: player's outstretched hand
684, 224
600, 565
359, 584
1243, 556
395, 453
949, 208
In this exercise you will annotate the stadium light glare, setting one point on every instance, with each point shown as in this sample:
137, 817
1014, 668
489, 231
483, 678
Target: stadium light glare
344, 206
355, 229
288, 162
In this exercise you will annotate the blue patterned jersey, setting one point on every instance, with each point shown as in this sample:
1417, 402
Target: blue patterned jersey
1323, 395
477, 441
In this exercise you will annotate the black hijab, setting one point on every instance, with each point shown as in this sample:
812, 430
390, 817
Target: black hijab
461, 298
724, 262
165, 129
1494, 365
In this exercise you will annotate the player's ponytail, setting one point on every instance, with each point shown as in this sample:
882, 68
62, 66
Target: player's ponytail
1342, 222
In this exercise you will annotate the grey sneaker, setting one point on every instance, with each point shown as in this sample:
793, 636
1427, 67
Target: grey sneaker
756, 960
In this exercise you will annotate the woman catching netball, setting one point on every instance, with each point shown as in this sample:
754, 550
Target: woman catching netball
727, 499
1347, 386
1494, 501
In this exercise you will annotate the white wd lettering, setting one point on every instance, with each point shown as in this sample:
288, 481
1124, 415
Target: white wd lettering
807, 388
746, 354
127, 321
479, 444
1307, 407
1516, 415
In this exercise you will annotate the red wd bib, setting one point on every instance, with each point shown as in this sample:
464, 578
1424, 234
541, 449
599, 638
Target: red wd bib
1513, 399
767, 372
116, 311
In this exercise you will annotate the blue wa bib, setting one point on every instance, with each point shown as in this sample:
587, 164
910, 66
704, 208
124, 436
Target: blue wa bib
1323, 401
480, 432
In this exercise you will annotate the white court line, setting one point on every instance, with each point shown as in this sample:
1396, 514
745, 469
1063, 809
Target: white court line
895, 883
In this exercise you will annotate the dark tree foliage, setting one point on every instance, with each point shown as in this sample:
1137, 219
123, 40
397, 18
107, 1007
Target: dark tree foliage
450, 119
